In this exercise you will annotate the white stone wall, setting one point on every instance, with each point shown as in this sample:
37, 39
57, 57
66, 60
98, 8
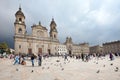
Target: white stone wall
20, 46
38, 31
17, 29
61, 49
77, 50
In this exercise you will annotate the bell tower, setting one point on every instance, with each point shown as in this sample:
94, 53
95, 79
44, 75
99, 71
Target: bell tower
20, 27
53, 30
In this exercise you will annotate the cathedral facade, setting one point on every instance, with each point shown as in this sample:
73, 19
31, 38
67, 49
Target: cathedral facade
39, 41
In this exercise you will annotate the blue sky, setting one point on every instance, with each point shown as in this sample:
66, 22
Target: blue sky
92, 21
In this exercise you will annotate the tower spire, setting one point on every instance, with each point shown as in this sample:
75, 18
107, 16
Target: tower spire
52, 19
19, 6
39, 23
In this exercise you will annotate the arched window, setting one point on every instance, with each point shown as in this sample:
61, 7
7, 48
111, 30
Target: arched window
20, 19
54, 36
19, 46
19, 30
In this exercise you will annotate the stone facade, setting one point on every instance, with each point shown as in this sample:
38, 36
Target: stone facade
61, 49
113, 47
85, 48
96, 49
76, 49
40, 41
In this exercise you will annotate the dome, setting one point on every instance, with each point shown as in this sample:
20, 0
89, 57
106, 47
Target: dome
19, 12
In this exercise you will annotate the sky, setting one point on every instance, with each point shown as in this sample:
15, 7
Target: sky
92, 21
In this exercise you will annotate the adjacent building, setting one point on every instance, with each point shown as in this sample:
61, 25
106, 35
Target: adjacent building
113, 47
96, 49
76, 49
61, 49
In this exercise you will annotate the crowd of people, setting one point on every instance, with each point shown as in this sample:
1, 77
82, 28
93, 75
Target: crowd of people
21, 59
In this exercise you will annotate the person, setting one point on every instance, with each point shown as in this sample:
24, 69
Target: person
23, 60
11, 56
32, 59
111, 56
82, 56
19, 58
16, 59
39, 59
66, 57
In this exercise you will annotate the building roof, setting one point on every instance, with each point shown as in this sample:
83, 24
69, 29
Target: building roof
19, 12
53, 22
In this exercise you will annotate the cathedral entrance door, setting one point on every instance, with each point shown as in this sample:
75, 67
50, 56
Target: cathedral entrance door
49, 52
40, 50
29, 51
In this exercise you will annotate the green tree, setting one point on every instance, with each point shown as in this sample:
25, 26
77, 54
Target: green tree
3, 47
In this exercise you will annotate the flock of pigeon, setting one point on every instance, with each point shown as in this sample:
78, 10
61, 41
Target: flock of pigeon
116, 69
60, 65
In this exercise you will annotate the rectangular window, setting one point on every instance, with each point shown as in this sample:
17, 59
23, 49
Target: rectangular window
19, 46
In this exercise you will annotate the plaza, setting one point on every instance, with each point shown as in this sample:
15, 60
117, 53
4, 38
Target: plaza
51, 69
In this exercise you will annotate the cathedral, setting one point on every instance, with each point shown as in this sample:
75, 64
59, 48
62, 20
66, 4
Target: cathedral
40, 41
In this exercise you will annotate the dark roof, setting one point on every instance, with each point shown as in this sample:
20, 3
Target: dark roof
52, 22
19, 12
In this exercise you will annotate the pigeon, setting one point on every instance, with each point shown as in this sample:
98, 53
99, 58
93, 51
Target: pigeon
57, 60
116, 70
42, 67
32, 71
48, 67
98, 71
62, 69
64, 62
111, 64
103, 65
68, 61
17, 70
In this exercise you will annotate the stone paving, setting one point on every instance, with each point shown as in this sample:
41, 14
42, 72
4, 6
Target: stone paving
57, 69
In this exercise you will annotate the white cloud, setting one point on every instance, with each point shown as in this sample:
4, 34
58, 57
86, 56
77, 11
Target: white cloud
100, 16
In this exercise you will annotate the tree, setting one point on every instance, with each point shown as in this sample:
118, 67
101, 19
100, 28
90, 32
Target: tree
3, 47
8, 51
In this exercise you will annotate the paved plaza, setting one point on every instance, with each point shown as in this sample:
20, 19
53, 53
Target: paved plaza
57, 69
